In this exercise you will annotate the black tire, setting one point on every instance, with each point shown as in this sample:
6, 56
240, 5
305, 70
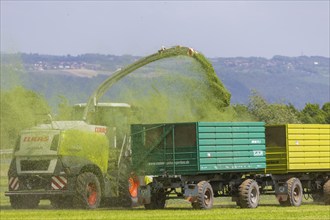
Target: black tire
24, 202
248, 193
62, 202
195, 205
295, 193
88, 191
326, 192
205, 196
158, 200
125, 198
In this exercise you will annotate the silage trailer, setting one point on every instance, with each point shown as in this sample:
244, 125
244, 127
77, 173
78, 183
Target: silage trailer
198, 161
242, 160
298, 163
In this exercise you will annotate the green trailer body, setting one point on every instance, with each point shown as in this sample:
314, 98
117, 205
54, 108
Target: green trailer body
198, 148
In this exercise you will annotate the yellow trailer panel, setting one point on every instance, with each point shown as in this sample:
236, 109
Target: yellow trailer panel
307, 154
310, 149
298, 148
310, 167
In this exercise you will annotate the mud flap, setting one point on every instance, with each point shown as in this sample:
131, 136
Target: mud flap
190, 192
281, 192
281, 198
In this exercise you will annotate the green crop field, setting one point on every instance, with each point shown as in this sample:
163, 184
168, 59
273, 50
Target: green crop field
175, 209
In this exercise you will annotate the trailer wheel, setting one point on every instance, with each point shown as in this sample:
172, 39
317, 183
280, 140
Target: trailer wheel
326, 192
295, 193
205, 196
158, 200
88, 191
248, 194
24, 202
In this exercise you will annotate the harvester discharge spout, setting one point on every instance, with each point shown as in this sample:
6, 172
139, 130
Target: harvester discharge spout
215, 84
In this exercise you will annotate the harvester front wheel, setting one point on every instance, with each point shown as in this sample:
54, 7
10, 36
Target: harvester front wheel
88, 191
248, 194
205, 196
326, 192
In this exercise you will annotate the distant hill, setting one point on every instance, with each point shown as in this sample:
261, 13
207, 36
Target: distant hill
296, 80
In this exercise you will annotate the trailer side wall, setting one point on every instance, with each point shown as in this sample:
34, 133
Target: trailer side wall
231, 146
199, 147
298, 148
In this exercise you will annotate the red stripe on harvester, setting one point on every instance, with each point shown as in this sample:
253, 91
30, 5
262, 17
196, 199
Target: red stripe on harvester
58, 182
15, 187
13, 183
62, 179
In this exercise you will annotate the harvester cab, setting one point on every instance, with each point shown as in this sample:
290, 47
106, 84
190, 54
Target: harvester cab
115, 116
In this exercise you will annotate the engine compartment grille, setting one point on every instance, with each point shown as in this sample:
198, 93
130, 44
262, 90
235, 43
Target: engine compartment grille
31, 165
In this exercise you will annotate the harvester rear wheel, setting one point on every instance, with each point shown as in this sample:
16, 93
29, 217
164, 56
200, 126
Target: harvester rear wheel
248, 194
205, 196
125, 197
88, 191
158, 200
326, 192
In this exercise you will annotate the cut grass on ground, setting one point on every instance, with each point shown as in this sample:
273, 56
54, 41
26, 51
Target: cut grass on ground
178, 209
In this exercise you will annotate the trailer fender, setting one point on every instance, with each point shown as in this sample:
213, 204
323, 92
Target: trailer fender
281, 191
190, 192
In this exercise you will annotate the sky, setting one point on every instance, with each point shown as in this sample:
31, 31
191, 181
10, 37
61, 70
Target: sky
140, 28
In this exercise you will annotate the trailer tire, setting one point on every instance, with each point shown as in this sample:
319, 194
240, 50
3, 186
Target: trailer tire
248, 194
24, 202
295, 193
205, 196
326, 192
158, 200
88, 191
